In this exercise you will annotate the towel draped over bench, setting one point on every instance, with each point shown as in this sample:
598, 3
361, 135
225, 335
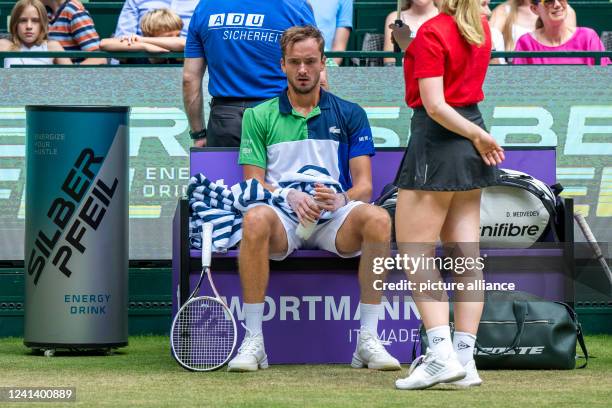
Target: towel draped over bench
225, 207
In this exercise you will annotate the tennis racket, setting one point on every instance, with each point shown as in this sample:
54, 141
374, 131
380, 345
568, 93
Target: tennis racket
588, 234
203, 335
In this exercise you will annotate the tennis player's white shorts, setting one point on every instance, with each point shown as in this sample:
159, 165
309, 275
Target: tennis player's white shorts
323, 237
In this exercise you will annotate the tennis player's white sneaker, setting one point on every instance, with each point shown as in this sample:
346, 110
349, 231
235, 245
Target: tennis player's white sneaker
251, 354
370, 352
431, 369
472, 379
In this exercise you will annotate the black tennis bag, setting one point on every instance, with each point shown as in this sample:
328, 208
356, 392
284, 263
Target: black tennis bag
522, 331
516, 213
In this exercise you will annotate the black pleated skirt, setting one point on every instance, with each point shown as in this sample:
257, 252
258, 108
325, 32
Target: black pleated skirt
437, 159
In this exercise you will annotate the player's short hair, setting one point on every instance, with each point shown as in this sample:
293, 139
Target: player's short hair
301, 33
160, 21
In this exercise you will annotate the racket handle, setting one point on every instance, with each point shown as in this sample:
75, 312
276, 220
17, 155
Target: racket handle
588, 234
207, 232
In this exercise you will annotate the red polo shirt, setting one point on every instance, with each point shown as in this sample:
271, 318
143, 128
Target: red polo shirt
440, 50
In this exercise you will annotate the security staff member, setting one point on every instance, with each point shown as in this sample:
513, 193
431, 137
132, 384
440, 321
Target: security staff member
239, 42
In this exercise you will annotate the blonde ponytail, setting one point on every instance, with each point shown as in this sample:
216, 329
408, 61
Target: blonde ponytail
507, 31
468, 19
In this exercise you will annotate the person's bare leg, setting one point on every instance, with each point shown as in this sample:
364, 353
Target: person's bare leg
462, 230
262, 234
368, 228
419, 216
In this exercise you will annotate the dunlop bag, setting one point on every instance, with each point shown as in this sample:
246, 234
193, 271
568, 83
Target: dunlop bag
515, 213
522, 331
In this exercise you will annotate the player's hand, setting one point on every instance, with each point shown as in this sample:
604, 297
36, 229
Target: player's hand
327, 198
199, 142
492, 153
304, 205
401, 34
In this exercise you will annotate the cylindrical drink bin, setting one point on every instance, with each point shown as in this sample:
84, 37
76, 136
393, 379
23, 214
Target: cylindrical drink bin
76, 227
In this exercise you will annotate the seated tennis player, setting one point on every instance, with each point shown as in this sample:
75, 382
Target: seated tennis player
308, 128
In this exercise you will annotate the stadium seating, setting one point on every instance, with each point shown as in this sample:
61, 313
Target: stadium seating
606, 39
104, 13
368, 16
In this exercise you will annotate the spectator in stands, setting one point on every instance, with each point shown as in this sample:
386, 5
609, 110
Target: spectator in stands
414, 13
71, 25
335, 19
306, 127
133, 11
160, 28
514, 18
238, 41
497, 38
29, 32
449, 159
554, 33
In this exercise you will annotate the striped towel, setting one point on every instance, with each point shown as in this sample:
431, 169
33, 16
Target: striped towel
224, 207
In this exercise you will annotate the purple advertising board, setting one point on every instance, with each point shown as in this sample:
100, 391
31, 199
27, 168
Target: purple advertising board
311, 313
221, 164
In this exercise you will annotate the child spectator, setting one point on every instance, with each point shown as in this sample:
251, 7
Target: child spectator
71, 25
160, 28
133, 11
553, 33
29, 32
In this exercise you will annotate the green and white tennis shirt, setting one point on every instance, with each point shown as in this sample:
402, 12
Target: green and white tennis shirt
280, 140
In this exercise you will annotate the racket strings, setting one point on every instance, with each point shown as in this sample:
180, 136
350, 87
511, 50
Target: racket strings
204, 334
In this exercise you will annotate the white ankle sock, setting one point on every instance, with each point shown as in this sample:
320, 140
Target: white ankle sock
368, 316
253, 316
439, 339
463, 343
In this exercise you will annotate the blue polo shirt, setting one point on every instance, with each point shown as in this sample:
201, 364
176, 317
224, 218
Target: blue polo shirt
330, 15
240, 40
282, 141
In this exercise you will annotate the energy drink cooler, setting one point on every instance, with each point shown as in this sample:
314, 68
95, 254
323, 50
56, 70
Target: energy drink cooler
76, 237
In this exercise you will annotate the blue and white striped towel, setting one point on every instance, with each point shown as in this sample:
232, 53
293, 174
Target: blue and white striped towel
224, 208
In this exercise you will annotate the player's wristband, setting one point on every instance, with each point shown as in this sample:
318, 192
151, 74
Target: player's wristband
201, 134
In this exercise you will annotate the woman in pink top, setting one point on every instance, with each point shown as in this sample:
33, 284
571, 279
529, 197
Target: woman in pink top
554, 34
